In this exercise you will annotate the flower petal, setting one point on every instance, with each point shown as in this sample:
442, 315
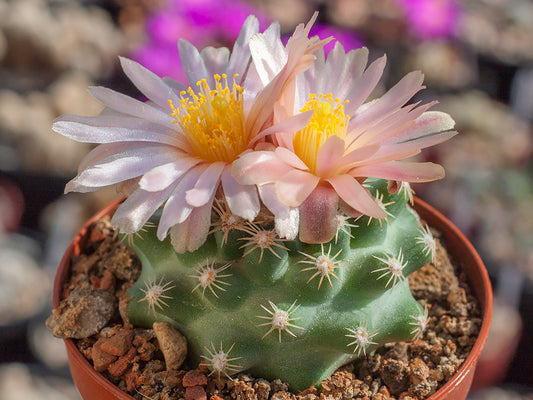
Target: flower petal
162, 176
356, 196
294, 187
176, 209
402, 171
149, 84
111, 167
291, 159
191, 234
270, 200
130, 106
242, 200
258, 167
328, 155
192, 62
125, 129
206, 186
287, 228
140, 205
240, 55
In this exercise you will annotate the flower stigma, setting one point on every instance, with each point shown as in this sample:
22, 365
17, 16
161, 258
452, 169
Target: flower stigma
212, 119
328, 120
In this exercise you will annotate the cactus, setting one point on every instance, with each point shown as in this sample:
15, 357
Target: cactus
249, 301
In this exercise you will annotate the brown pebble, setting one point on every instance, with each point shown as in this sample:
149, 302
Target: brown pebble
101, 359
120, 366
173, 344
119, 344
194, 378
132, 380
108, 281
195, 393
215, 397
419, 371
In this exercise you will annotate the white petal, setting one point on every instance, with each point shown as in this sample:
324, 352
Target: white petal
131, 216
125, 165
240, 54
162, 176
130, 106
206, 185
82, 130
215, 60
242, 200
191, 234
149, 84
192, 62
176, 209
288, 227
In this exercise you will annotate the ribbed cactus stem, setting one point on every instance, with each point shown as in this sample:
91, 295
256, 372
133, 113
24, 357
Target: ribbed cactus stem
250, 301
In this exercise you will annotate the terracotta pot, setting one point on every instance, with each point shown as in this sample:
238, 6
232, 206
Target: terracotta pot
92, 385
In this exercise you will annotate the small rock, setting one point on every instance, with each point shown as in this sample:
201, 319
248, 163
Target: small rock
120, 366
195, 393
194, 378
82, 314
101, 359
173, 344
119, 344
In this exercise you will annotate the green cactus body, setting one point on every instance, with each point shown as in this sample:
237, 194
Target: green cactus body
288, 310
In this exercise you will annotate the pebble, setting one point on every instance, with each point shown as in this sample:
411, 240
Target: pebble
173, 344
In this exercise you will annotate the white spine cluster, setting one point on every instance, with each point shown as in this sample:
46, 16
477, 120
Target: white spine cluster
279, 319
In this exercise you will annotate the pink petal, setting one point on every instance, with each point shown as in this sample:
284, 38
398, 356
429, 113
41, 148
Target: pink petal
258, 167
430, 122
318, 216
294, 187
356, 196
242, 200
402, 171
356, 156
364, 86
285, 127
160, 177
290, 158
328, 155
396, 97
206, 185
416, 144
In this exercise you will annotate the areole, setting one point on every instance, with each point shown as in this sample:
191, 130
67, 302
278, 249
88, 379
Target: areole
93, 385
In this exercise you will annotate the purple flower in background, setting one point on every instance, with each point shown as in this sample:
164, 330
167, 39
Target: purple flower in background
201, 22
431, 18
347, 38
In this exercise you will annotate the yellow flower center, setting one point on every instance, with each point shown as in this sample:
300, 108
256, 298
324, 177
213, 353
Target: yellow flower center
328, 120
212, 120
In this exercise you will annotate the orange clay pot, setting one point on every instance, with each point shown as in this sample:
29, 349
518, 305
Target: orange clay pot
93, 386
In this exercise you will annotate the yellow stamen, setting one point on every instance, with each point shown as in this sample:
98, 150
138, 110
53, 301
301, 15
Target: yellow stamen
328, 120
212, 120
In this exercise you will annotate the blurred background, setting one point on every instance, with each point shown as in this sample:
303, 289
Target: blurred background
477, 56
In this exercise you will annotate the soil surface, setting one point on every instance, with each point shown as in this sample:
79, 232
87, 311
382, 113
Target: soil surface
148, 363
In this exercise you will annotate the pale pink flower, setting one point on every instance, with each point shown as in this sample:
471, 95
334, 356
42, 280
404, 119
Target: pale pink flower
177, 148
323, 166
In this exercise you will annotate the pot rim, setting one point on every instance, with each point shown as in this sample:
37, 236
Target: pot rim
455, 240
